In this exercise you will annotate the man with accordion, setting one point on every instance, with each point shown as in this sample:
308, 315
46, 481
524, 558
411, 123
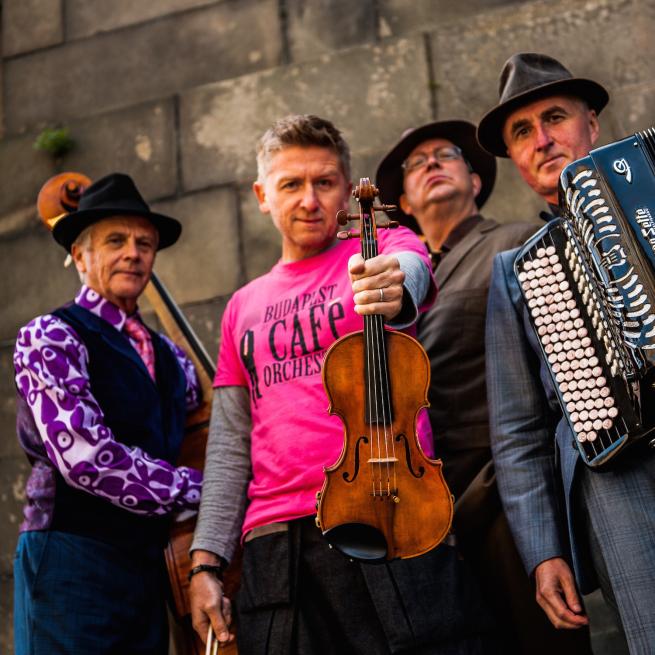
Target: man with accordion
545, 120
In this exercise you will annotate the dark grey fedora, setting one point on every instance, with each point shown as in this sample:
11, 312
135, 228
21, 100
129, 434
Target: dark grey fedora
389, 176
526, 77
113, 195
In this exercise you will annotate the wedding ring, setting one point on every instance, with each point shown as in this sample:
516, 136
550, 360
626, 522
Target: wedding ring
381, 295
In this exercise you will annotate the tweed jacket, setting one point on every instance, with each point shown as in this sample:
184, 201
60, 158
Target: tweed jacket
452, 332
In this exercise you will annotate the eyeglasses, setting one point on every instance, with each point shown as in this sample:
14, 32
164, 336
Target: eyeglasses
444, 153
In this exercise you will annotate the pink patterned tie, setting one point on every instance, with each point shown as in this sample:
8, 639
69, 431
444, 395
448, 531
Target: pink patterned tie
142, 342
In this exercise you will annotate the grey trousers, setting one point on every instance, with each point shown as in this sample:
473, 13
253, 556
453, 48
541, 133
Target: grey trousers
621, 541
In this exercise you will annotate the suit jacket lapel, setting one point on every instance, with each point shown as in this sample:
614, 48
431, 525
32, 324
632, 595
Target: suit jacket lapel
452, 260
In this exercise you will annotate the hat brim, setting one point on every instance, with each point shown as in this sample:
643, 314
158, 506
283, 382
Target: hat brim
69, 227
389, 178
490, 129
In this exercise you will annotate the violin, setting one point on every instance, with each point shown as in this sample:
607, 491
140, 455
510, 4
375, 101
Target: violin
383, 498
58, 196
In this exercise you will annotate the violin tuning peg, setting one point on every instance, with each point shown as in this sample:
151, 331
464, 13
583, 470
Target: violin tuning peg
387, 225
386, 208
345, 234
342, 217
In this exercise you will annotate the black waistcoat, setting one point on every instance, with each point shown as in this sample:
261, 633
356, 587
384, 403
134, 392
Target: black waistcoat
140, 414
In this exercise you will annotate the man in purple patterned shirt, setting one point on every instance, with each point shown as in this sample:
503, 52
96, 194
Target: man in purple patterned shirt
101, 407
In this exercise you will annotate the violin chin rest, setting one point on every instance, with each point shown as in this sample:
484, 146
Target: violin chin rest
358, 541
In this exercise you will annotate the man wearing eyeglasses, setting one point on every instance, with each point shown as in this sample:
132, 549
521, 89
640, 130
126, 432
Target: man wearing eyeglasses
440, 178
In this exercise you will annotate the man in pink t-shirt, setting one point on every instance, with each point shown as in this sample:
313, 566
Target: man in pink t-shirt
271, 435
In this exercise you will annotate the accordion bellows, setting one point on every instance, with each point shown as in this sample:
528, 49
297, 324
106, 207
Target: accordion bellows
588, 281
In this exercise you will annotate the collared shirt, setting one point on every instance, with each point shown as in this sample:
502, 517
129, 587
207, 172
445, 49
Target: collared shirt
455, 236
51, 364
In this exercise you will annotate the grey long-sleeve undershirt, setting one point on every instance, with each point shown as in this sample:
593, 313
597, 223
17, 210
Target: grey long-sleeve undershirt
227, 463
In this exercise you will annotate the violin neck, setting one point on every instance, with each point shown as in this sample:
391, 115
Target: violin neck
378, 397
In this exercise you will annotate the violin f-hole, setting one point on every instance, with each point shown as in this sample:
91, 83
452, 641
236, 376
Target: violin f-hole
408, 457
346, 475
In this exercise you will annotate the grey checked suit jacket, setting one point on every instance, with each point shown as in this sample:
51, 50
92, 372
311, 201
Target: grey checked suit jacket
542, 479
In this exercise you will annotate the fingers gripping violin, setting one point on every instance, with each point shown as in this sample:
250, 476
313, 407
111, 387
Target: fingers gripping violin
383, 498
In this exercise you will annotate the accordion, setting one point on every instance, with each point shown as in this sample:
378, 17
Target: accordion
589, 284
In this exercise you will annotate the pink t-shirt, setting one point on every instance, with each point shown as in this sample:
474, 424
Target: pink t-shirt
275, 332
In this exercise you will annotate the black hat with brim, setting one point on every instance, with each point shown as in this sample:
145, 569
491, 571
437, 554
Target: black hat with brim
389, 178
525, 78
113, 195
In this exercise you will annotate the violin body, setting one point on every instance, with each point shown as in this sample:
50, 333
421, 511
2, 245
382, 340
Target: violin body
373, 510
383, 499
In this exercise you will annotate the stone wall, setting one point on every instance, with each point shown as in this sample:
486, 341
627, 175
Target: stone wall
176, 92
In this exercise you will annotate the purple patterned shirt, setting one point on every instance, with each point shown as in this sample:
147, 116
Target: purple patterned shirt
61, 425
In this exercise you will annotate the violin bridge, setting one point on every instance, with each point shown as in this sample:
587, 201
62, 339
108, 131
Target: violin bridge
382, 460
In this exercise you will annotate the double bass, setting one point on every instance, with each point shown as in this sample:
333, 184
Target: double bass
384, 498
58, 196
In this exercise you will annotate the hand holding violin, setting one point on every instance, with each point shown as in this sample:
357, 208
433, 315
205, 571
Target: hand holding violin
377, 285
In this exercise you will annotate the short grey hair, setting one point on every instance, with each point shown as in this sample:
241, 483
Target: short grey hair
83, 241
304, 130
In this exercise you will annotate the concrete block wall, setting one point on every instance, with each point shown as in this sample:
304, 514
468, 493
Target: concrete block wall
176, 93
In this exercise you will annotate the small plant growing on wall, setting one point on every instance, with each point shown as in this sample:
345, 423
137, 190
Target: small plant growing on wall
56, 141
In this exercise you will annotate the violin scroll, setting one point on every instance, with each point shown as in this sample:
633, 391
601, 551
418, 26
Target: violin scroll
365, 193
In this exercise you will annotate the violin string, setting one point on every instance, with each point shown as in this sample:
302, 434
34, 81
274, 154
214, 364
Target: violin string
374, 368
386, 414
369, 368
387, 400
382, 409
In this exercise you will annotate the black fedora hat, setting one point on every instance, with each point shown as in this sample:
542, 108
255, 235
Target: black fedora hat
389, 177
112, 195
526, 77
